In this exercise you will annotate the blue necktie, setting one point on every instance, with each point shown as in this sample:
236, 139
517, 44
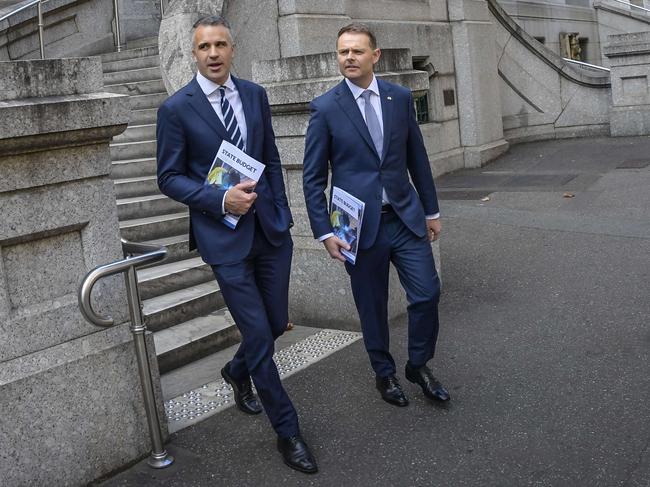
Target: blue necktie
373, 123
230, 121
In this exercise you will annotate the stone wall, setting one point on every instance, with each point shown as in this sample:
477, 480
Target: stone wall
542, 96
69, 392
548, 20
629, 56
614, 18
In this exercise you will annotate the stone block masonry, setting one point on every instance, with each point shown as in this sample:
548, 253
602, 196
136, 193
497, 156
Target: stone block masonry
69, 392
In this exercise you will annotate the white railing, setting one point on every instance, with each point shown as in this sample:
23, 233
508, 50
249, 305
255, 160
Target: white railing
587, 65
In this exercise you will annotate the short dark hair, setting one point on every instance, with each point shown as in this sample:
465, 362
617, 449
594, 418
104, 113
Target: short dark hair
212, 20
359, 28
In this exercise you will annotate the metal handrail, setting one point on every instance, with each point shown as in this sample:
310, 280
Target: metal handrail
39, 5
41, 25
586, 65
148, 254
20, 9
631, 5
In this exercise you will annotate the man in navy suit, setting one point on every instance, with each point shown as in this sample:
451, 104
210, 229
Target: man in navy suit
366, 130
252, 262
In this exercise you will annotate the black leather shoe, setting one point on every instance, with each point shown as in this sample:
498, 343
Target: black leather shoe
245, 399
431, 386
296, 454
391, 391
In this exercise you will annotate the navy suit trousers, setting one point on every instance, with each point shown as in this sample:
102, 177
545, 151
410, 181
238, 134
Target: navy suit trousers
413, 259
256, 293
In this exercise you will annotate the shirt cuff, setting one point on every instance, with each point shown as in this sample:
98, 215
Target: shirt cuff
435, 216
325, 237
223, 202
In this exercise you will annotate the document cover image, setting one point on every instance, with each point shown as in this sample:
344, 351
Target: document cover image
230, 167
346, 217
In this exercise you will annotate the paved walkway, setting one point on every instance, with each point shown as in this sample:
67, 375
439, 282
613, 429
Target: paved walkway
544, 346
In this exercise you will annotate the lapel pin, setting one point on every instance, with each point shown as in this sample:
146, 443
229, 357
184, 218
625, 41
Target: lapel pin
389, 97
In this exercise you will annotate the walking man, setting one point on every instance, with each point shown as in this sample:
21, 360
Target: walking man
365, 130
252, 262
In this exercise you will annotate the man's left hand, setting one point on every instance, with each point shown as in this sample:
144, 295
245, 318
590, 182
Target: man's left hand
433, 228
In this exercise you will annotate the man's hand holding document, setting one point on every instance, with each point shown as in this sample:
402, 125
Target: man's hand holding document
346, 216
232, 167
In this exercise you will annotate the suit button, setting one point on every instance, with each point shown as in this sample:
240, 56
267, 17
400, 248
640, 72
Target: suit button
203, 212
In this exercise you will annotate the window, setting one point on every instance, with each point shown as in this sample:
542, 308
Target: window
422, 108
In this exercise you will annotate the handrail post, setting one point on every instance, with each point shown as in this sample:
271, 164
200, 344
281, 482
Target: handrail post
148, 254
159, 457
41, 43
118, 37
162, 8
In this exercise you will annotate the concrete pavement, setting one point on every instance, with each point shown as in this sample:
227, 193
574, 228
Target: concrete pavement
544, 347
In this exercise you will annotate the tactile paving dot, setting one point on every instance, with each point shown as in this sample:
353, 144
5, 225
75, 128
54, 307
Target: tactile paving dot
196, 405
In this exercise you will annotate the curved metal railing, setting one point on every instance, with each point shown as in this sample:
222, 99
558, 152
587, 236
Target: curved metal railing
135, 255
148, 255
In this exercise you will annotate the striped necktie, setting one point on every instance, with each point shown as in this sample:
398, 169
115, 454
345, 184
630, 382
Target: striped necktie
230, 121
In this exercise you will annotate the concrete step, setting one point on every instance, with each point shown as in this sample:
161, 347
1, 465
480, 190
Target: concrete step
150, 101
151, 50
172, 308
154, 227
178, 247
137, 186
145, 116
133, 63
195, 339
147, 205
142, 43
173, 276
133, 168
140, 149
134, 133
132, 75
137, 88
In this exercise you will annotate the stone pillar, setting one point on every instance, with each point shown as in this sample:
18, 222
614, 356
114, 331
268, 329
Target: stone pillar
320, 293
175, 39
477, 83
70, 395
629, 59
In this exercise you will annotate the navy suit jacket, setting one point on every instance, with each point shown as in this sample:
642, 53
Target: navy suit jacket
337, 133
189, 133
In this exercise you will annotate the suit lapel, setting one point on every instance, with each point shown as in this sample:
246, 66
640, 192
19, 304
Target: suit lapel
349, 105
199, 103
247, 105
385, 96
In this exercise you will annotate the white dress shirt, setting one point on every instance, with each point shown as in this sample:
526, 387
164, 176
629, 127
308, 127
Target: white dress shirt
375, 101
211, 90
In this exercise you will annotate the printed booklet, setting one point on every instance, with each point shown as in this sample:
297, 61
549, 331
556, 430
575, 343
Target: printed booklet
346, 217
230, 167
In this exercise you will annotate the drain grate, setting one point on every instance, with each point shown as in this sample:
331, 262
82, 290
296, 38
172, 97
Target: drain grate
209, 399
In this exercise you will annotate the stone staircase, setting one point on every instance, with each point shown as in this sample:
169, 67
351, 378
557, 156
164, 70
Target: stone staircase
182, 302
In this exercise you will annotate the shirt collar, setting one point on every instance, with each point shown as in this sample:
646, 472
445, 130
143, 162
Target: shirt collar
208, 86
357, 90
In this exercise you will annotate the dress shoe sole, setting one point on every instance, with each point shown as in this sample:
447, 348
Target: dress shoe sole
239, 406
297, 467
300, 469
424, 391
399, 404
